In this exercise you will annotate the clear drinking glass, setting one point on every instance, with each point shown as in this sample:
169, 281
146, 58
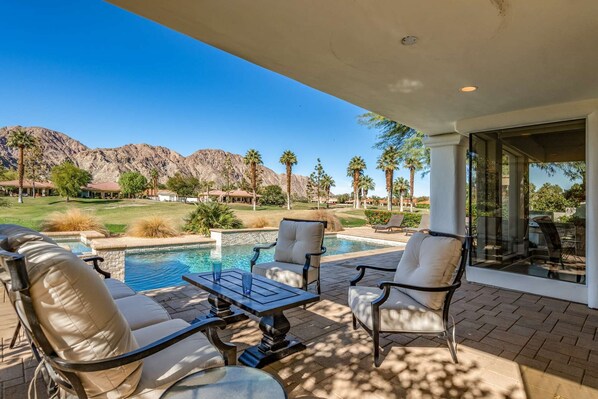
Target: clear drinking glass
216, 271
247, 283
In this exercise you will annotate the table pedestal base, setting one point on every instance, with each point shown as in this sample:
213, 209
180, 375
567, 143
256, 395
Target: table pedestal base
275, 343
254, 357
223, 310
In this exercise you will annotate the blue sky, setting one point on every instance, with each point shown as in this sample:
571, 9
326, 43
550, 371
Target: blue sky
107, 78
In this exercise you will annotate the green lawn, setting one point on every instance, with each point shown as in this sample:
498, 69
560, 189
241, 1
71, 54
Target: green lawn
117, 214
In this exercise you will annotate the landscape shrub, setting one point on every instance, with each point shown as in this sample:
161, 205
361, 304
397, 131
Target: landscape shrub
258, 222
382, 217
72, 220
152, 227
422, 206
333, 222
211, 215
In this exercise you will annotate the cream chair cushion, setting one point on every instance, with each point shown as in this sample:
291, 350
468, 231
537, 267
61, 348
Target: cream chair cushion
428, 261
19, 235
295, 239
140, 311
79, 317
164, 368
286, 273
117, 288
399, 313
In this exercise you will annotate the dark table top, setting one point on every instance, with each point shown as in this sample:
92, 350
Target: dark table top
267, 296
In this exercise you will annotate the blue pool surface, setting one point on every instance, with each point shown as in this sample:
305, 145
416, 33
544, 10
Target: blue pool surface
151, 270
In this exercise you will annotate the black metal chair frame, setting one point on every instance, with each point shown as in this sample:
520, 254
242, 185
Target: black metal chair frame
63, 373
308, 256
386, 286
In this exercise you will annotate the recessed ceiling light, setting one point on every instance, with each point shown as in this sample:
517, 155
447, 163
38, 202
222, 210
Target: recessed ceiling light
409, 40
468, 89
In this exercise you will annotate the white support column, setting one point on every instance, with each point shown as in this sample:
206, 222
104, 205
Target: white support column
592, 209
447, 182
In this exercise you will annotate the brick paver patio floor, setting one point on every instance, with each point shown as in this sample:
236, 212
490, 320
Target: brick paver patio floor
512, 345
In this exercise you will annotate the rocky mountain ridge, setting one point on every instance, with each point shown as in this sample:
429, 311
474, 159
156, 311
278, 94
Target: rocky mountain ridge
106, 164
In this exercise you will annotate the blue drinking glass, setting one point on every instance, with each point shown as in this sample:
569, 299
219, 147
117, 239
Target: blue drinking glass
247, 282
216, 271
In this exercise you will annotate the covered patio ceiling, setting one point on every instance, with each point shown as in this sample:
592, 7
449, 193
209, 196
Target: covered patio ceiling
521, 54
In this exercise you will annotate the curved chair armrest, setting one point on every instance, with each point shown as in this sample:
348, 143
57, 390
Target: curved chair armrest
443, 288
96, 265
362, 268
138, 354
308, 257
257, 250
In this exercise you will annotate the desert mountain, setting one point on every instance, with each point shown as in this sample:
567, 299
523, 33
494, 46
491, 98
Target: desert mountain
106, 164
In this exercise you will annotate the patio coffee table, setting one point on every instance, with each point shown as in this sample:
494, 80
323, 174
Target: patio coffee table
268, 300
227, 382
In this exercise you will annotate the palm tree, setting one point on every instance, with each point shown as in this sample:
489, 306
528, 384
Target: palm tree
288, 159
366, 183
21, 139
154, 177
253, 158
355, 170
388, 162
401, 186
414, 163
327, 183
208, 185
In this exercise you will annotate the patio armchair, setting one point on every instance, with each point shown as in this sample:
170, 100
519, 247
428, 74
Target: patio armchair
418, 299
424, 225
554, 246
85, 344
393, 223
299, 247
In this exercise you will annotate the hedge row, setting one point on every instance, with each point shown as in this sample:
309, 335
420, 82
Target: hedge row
382, 217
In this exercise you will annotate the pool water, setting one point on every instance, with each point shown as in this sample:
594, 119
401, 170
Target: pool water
151, 270
76, 246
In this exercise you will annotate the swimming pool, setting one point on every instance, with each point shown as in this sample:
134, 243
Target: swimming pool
151, 270
76, 246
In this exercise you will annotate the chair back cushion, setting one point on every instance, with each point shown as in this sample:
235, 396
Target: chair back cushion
79, 317
428, 261
18, 235
295, 239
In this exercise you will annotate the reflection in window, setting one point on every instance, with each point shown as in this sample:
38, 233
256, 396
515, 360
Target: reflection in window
527, 200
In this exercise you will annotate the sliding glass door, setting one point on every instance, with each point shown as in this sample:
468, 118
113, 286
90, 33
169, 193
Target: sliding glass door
527, 200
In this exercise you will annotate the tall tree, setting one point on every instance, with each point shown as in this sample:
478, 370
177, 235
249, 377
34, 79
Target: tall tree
288, 159
366, 183
253, 159
401, 188
316, 178
355, 170
154, 174
68, 179
183, 186
132, 183
23, 140
227, 173
409, 143
389, 162
208, 185
413, 162
327, 184
35, 168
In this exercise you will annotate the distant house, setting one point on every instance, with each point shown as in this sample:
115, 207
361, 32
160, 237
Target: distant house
167, 196
233, 196
107, 190
41, 188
